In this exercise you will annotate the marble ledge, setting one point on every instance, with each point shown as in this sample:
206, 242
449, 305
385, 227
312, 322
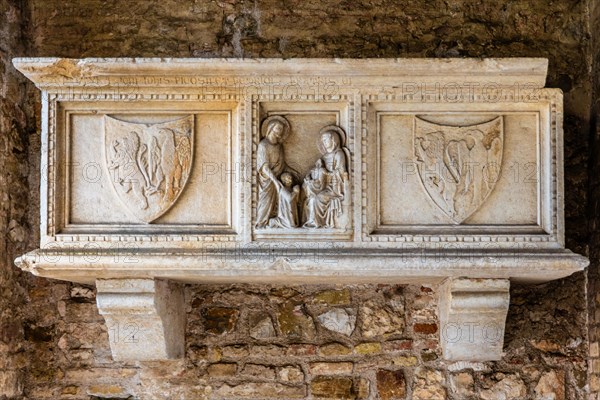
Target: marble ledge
65, 72
299, 268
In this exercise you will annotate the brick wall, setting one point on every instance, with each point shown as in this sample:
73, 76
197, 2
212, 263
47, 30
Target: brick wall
259, 341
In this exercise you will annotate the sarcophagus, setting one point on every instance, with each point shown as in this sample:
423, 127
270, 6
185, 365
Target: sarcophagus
157, 171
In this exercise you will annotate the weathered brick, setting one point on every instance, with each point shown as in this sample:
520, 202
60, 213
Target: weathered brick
268, 350
368, 348
427, 356
330, 368
219, 320
290, 373
334, 349
405, 361
397, 345
261, 390
328, 387
391, 384
301, 350
594, 349
426, 329
236, 351
198, 354
70, 390
259, 371
222, 369
363, 389
595, 383
596, 366
545, 345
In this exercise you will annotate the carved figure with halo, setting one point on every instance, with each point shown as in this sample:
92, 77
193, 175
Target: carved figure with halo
326, 186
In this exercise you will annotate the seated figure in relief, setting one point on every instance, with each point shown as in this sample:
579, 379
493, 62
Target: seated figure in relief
324, 186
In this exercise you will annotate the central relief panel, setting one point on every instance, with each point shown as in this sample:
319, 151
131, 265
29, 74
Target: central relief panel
303, 171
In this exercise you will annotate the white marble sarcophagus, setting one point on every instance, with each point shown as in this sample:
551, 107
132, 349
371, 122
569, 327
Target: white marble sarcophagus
159, 171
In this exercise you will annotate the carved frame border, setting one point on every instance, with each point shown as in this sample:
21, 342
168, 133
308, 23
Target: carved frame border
53, 181
552, 182
348, 100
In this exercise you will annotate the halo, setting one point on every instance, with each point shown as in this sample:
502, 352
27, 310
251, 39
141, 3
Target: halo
341, 136
273, 118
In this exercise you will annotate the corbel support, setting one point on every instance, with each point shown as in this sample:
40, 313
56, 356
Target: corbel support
472, 318
145, 318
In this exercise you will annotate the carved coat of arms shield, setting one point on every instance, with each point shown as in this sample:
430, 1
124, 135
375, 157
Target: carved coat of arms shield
148, 164
459, 165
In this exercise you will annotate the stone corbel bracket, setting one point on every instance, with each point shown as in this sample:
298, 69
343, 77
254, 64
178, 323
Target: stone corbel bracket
472, 318
405, 128
145, 318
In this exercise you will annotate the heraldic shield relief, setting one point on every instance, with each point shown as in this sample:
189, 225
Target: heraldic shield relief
459, 165
148, 164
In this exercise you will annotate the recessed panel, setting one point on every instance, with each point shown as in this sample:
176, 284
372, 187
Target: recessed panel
302, 167
147, 168
457, 169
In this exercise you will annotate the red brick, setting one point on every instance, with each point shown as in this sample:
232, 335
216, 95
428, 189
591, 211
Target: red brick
427, 329
397, 345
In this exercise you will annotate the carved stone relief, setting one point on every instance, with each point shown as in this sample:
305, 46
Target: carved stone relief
149, 164
320, 199
326, 188
421, 167
459, 165
272, 170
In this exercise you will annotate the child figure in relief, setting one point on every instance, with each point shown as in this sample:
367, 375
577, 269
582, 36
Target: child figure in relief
287, 212
318, 177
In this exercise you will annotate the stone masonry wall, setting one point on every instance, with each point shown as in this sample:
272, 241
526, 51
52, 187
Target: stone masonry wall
353, 342
247, 341
594, 209
16, 124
